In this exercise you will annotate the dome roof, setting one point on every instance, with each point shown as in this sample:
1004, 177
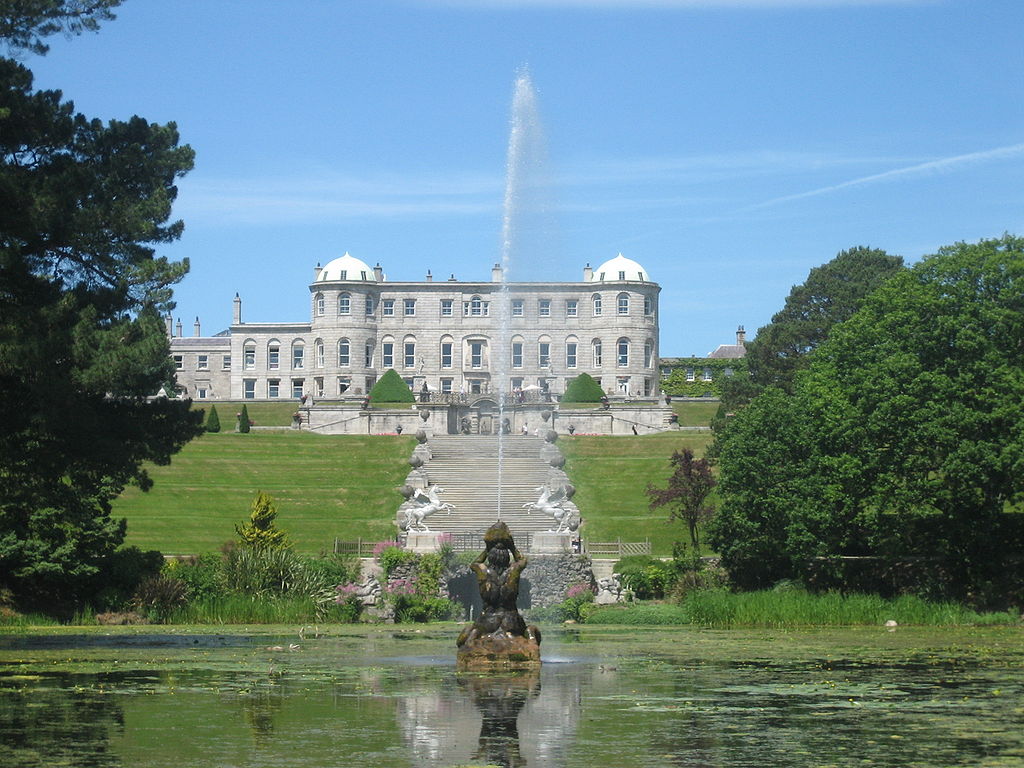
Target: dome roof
346, 267
620, 268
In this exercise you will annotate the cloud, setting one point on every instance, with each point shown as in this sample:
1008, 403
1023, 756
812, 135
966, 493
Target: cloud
943, 165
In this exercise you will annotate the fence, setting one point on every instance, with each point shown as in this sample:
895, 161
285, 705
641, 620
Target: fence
617, 548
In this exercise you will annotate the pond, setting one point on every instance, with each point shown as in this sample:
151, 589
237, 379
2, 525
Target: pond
390, 696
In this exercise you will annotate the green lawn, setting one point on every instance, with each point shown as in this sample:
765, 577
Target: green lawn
695, 414
265, 414
610, 475
324, 486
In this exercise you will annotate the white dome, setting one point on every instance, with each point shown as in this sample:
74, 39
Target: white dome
620, 268
345, 268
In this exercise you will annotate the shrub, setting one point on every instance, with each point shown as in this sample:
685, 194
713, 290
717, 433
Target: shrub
583, 389
261, 532
391, 389
646, 577
203, 575
393, 556
120, 575
158, 596
243, 420
213, 420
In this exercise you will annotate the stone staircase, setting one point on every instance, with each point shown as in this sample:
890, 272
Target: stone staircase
466, 466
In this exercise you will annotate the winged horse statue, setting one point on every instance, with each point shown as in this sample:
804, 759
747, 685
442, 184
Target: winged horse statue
550, 503
428, 503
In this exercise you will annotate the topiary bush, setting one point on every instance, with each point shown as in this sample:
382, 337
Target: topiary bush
391, 389
213, 420
243, 420
583, 389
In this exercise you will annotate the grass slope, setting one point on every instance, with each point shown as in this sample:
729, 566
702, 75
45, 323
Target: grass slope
610, 475
324, 487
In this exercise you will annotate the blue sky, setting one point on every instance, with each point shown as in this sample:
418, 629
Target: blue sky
729, 146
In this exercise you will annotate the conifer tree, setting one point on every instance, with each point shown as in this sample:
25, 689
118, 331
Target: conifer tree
213, 420
243, 420
261, 532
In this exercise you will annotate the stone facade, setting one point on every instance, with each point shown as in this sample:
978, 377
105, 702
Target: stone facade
443, 335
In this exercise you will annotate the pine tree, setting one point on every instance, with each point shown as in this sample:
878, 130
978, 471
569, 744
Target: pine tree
213, 420
243, 420
261, 532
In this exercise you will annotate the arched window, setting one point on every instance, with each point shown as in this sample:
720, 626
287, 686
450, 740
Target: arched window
648, 354
319, 304
318, 351
517, 351
344, 304
622, 302
447, 350
387, 352
622, 352
648, 305
595, 349
544, 352
409, 352
273, 354
344, 353
596, 302
249, 355
298, 354
572, 346
368, 353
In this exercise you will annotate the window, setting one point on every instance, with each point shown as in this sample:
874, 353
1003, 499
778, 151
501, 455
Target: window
388, 354
476, 306
249, 357
344, 304
201, 393
249, 389
544, 354
446, 385
517, 307
298, 355
368, 355
517, 354
649, 354
570, 354
388, 308
319, 304
344, 382
446, 354
369, 305
623, 352
595, 347
410, 354
648, 305
409, 382
476, 354
297, 386
273, 387
622, 275
446, 307
318, 386
410, 307
544, 307
179, 362
225, 362
707, 374
690, 374
343, 275
319, 352
623, 303
343, 353
596, 302
572, 308
727, 371
202, 362
517, 384
273, 356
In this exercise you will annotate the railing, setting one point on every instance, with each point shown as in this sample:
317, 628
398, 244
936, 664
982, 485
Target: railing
360, 547
618, 548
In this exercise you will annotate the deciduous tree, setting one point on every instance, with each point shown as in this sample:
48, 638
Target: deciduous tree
686, 495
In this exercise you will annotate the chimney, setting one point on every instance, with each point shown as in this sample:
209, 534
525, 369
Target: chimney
378, 272
195, 327
741, 337
452, 279
178, 329
496, 273
430, 277
588, 273
169, 325
236, 315
316, 271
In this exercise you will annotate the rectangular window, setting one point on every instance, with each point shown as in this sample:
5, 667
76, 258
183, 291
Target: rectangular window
368, 354
707, 374
544, 354
369, 305
476, 354
344, 304
249, 389
318, 386
298, 354
446, 307
623, 354
544, 308
517, 354
201, 393
597, 305
344, 382
517, 385
409, 382
623, 304
274, 358
225, 362
572, 308
319, 354
410, 307
570, 354
388, 357
297, 386
446, 354
203, 363
597, 354
249, 358
179, 362
446, 385
517, 307
690, 374
388, 308
273, 387
410, 354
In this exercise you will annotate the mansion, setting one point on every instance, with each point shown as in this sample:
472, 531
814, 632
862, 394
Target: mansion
444, 336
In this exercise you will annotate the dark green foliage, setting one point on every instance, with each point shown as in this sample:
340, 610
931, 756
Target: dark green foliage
646, 577
392, 557
120, 575
261, 531
81, 299
213, 420
243, 420
903, 438
686, 495
583, 389
24, 23
391, 389
158, 596
725, 372
203, 575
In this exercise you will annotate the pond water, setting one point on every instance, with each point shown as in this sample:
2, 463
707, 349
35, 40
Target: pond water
390, 696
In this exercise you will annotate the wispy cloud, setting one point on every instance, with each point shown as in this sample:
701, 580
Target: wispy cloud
943, 165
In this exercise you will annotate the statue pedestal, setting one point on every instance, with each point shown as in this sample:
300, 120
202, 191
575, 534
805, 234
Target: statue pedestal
550, 543
423, 541
499, 652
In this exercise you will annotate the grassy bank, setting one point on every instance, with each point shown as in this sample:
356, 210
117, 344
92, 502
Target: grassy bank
610, 474
324, 487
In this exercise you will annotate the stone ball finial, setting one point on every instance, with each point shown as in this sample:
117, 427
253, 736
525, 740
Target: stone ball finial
551, 436
557, 461
570, 490
415, 462
424, 414
545, 415
421, 436
407, 491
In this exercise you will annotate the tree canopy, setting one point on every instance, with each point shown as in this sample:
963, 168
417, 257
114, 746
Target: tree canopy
903, 438
24, 23
82, 293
